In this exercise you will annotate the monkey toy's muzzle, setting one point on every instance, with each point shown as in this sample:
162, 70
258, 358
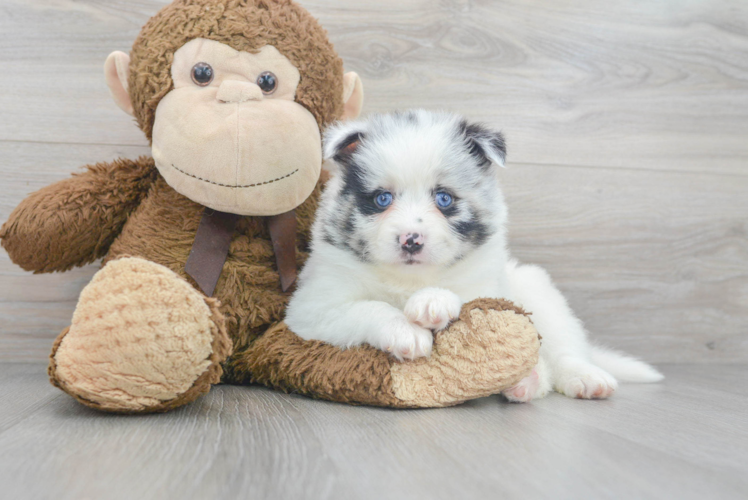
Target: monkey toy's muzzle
231, 152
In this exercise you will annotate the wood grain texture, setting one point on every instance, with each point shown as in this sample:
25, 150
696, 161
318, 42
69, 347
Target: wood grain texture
660, 85
627, 126
655, 264
685, 438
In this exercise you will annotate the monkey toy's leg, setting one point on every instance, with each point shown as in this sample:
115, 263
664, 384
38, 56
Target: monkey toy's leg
142, 339
490, 348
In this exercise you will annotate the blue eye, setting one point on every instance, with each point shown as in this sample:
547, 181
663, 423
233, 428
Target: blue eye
443, 200
383, 199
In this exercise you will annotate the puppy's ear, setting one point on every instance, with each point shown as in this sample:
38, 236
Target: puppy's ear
484, 144
342, 140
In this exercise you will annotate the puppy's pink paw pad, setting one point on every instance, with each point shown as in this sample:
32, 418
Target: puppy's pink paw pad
525, 390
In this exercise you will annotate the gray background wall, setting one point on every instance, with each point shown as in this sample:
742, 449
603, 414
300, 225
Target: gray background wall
627, 124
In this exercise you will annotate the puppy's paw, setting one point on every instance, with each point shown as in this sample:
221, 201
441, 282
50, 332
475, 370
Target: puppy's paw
433, 308
584, 380
525, 390
404, 340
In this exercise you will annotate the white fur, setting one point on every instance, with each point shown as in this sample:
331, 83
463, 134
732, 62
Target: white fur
374, 297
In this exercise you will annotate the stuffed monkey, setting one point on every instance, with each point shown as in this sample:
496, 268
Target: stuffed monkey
201, 242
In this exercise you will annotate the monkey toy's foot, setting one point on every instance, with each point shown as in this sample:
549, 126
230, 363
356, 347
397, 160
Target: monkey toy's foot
491, 347
142, 339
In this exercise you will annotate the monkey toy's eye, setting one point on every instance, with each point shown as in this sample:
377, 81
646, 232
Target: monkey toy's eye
383, 199
202, 74
443, 199
267, 82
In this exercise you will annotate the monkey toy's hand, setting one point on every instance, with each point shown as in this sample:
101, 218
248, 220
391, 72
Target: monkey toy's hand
73, 222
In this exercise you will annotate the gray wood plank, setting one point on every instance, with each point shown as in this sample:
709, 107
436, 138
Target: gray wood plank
654, 263
571, 82
23, 391
54, 52
685, 438
630, 85
556, 447
698, 414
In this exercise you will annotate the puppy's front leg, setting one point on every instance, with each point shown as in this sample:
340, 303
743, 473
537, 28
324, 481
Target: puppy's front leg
387, 328
364, 321
433, 308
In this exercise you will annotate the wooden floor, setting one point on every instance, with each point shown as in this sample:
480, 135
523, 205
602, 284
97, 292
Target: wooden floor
627, 126
685, 438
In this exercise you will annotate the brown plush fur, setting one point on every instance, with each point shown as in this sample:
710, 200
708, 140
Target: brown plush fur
245, 25
73, 222
488, 304
283, 360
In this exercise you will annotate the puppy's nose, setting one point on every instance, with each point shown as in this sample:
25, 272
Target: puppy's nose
411, 242
238, 91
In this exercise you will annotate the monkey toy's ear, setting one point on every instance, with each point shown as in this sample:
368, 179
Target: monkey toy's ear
353, 96
116, 72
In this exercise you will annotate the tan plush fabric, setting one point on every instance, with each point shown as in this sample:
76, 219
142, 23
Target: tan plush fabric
116, 73
353, 96
140, 337
229, 147
486, 351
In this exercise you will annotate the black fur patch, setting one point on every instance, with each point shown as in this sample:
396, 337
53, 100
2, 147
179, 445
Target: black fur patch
327, 238
358, 247
472, 230
354, 187
344, 151
477, 138
341, 234
355, 200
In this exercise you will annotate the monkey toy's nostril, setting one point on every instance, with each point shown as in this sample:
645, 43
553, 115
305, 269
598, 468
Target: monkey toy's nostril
411, 242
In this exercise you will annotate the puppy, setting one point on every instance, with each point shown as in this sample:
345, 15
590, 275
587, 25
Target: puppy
411, 225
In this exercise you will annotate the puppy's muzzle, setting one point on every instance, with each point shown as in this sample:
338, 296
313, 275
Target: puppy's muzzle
411, 242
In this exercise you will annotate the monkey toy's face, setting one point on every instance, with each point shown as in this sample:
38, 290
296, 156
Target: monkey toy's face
229, 134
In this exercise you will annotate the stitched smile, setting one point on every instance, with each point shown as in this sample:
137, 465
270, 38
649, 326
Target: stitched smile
229, 185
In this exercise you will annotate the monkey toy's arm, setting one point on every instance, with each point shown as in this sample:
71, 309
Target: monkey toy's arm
73, 222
